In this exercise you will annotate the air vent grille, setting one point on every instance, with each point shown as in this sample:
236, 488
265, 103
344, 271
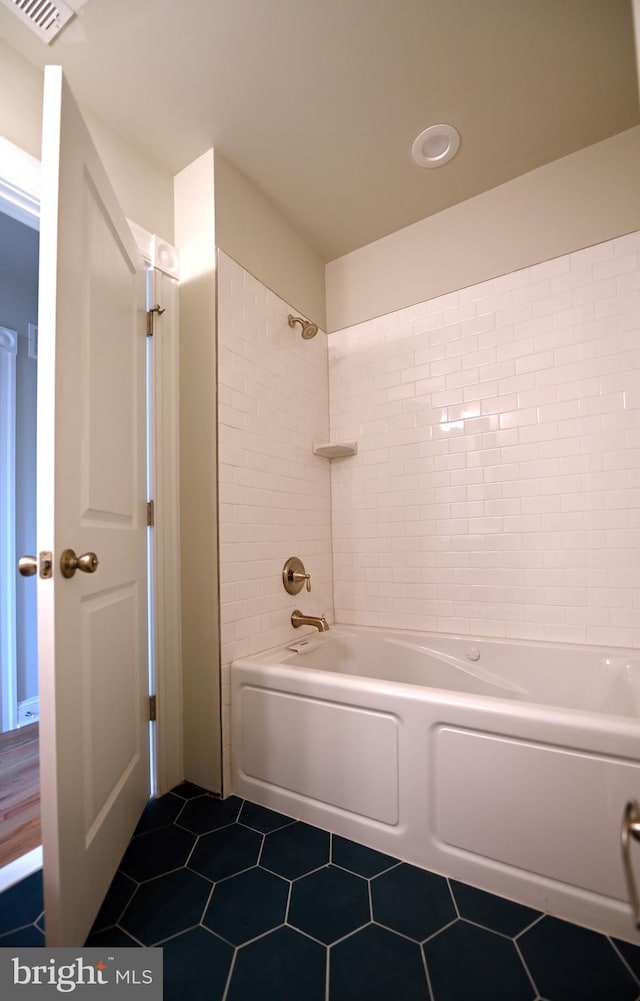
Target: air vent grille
42, 16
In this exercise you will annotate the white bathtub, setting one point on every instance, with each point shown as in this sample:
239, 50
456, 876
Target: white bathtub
506, 765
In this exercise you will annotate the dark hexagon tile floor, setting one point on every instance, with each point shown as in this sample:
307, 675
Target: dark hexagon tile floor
226, 852
251, 905
156, 852
377, 963
22, 904
166, 905
329, 904
295, 850
465, 954
204, 813
412, 901
245, 906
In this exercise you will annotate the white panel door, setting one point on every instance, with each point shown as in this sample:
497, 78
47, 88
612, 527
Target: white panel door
92, 634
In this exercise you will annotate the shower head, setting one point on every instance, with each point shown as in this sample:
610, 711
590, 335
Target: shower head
309, 329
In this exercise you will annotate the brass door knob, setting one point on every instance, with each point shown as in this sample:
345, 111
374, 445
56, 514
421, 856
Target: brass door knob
28, 566
69, 563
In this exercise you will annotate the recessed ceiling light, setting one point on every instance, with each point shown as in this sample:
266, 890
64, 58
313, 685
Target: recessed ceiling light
435, 146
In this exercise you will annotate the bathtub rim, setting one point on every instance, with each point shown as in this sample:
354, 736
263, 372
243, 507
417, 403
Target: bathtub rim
468, 638
624, 726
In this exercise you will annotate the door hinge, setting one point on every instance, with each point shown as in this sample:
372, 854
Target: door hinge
151, 513
150, 318
153, 708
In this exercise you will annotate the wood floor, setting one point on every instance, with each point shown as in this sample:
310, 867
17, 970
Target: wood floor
19, 793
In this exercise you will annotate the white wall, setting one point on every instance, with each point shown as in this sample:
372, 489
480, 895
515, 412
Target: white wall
144, 189
274, 492
252, 232
586, 198
195, 240
496, 490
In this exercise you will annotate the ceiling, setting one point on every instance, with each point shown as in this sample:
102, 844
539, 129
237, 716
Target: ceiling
319, 101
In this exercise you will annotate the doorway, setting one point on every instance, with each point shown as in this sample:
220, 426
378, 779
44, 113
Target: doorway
19, 704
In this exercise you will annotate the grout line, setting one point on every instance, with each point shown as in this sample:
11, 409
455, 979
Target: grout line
129, 899
224, 878
256, 830
169, 938
530, 926
453, 897
436, 933
202, 834
353, 931
623, 960
494, 931
12, 931
214, 934
206, 905
327, 974
262, 844
426, 973
130, 935
305, 934
294, 879
193, 848
166, 872
286, 910
344, 938
250, 941
232, 964
343, 868
526, 968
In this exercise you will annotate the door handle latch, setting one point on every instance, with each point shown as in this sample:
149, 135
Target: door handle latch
30, 565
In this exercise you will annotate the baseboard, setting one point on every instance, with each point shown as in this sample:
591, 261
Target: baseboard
28, 711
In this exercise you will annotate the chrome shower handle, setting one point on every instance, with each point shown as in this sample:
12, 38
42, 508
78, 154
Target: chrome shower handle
631, 828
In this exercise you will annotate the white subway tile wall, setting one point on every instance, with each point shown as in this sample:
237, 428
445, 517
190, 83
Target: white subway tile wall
274, 493
496, 489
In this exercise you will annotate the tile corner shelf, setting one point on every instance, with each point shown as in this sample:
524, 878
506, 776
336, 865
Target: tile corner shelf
336, 450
